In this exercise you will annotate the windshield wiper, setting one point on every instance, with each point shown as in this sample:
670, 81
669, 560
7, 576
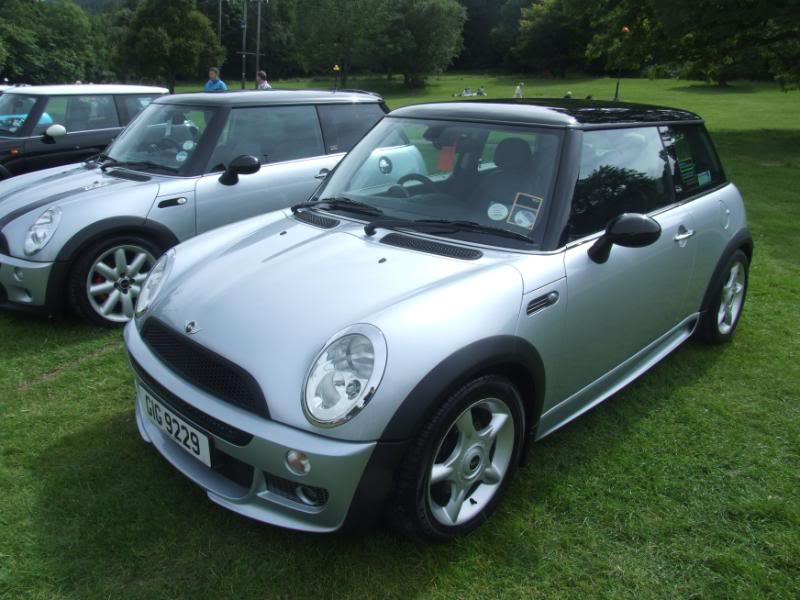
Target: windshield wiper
113, 162
444, 226
340, 203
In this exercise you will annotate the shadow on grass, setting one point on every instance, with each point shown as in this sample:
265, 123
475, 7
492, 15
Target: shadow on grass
112, 514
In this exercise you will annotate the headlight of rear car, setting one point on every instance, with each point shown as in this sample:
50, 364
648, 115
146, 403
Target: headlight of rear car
42, 230
154, 281
345, 375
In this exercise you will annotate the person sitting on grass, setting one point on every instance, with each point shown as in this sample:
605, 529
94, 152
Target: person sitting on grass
214, 83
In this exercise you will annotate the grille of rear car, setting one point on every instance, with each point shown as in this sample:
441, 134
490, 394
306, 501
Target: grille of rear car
413, 243
214, 426
201, 367
316, 220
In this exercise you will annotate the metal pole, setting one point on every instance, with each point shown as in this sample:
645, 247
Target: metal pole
244, 42
258, 38
219, 22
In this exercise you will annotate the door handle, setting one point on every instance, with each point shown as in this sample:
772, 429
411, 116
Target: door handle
323, 173
683, 234
172, 202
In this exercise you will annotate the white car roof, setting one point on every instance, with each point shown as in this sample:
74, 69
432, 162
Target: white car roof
84, 88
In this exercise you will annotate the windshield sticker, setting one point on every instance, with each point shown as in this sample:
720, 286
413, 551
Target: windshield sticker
188, 145
181, 156
497, 211
704, 178
525, 210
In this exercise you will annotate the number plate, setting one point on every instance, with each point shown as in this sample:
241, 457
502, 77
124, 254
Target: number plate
183, 434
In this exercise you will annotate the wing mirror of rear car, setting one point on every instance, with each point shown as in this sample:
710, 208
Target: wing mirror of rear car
54, 132
630, 230
245, 164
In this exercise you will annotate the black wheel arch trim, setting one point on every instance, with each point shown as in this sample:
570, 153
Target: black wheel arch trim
159, 233
506, 355
5, 173
742, 240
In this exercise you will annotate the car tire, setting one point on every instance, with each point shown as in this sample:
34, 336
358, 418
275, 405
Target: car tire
5, 173
107, 276
718, 323
473, 468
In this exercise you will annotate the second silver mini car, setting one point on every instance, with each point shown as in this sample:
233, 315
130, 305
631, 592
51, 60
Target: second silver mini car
471, 276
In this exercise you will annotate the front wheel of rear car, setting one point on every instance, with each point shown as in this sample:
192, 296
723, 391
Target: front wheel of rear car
106, 279
720, 319
458, 467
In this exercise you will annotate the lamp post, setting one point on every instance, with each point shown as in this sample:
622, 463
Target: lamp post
624, 31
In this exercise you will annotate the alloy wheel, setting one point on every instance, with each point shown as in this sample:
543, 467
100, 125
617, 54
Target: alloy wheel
730, 304
115, 279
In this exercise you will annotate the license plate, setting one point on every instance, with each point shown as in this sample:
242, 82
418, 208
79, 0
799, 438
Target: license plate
183, 434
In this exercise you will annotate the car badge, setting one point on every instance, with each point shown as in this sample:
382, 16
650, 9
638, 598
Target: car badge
94, 185
191, 327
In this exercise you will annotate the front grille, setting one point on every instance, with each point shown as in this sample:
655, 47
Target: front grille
414, 243
205, 369
201, 420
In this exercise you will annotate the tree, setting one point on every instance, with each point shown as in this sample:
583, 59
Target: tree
168, 39
419, 37
479, 51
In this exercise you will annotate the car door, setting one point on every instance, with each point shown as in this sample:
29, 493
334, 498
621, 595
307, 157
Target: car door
91, 122
287, 140
617, 308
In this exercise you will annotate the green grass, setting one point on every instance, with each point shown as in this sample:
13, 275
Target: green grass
684, 484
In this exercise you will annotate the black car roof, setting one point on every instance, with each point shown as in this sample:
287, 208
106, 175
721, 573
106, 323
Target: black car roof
265, 97
558, 112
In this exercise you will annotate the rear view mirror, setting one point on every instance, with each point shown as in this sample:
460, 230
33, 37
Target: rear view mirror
630, 230
241, 165
55, 131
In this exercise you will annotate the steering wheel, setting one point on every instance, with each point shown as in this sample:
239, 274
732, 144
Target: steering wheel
164, 144
427, 184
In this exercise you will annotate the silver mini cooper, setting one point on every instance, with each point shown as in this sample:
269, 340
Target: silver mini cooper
471, 276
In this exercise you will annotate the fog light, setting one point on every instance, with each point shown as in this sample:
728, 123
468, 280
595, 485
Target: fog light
311, 496
19, 274
297, 462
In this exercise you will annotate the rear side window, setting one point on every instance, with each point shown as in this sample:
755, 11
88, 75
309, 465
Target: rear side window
622, 170
693, 161
133, 105
271, 133
345, 124
79, 113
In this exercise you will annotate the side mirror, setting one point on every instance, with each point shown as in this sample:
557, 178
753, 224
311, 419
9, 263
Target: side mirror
241, 165
55, 131
630, 230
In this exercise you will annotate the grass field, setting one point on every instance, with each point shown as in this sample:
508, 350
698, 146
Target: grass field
685, 484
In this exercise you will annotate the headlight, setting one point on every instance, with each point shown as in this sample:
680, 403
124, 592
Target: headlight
42, 230
345, 375
153, 283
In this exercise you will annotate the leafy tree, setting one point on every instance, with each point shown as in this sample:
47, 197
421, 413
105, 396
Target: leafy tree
168, 39
505, 34
479, 51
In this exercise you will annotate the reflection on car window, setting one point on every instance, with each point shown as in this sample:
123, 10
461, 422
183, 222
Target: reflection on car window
164, 134
345, 124
270, 133
78, 113
14, 110
135, 104
495, 175
622, 170
694, 163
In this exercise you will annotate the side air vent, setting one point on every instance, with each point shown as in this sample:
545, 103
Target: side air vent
413, 243
541, 302
306, 216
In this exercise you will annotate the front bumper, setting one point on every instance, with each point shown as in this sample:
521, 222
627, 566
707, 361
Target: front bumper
246, 481
24, 282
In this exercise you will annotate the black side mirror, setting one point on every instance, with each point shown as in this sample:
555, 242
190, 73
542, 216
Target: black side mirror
630, 230
241, 165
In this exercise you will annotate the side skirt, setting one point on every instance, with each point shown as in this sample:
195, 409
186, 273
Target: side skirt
613, 381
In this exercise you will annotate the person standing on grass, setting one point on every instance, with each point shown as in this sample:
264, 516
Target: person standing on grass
518, 90
261, 81
214, 83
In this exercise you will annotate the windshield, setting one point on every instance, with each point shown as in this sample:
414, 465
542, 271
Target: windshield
498, 176
14, 109
163, 137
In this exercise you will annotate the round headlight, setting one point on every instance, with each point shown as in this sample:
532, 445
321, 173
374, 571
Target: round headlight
154, 281
345, 375
42, 230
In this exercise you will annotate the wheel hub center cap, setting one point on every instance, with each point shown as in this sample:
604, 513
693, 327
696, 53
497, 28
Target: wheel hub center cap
472, 463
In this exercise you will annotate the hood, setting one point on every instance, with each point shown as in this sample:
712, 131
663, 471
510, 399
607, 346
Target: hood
62, 186
271, 301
